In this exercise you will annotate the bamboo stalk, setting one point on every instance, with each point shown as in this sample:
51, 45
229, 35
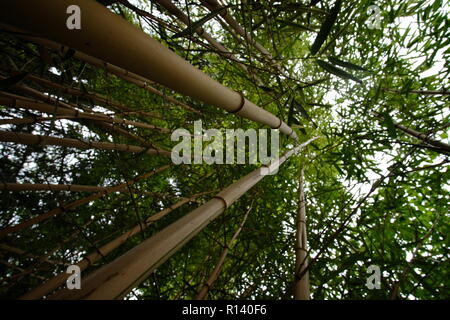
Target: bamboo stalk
108, 67
110, 128
21, 270
201, 295
104, 35
418, 135
21, 252
32, 139
55, 282
90, 95
301, 285
117, 278
76, 92
74, 204
424, 92
50, 187
425, 138
48, 99
11, 100
30, 120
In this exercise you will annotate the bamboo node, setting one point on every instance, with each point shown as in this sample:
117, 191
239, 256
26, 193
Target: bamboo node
223, 200
241, 105
279, 126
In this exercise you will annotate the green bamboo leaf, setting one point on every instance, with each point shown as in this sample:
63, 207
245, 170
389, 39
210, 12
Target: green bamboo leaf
337, 72
300, 106
290, 114
302, 110
292, 119
326, 27
346, 64
7, 83
389, 123
194, 26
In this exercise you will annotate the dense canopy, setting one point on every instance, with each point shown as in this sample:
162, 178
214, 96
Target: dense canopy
370, 84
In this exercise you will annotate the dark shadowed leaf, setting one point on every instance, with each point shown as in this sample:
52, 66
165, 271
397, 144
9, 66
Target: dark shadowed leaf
345, 64
326, 27
337, 72
389, 123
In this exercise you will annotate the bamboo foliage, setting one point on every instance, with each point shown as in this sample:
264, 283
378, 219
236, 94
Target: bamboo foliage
70, 206
405, 206
46, 256
109, 33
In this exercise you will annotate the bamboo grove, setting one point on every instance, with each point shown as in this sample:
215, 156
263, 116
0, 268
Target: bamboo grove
86, 118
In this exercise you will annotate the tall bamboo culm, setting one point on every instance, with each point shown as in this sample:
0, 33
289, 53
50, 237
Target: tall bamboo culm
301, 285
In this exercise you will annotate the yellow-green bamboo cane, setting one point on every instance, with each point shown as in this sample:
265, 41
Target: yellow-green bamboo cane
34, 139
12, 100
108, 67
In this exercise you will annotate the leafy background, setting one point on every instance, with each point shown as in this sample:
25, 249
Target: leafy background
401, 225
